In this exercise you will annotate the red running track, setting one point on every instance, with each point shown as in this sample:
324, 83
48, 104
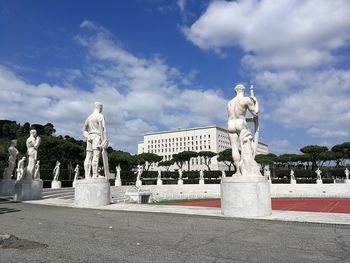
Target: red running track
324, 205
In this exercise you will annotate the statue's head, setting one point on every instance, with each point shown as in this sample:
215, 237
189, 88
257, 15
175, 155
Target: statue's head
33, 133
239, 88
98, 106
13, 142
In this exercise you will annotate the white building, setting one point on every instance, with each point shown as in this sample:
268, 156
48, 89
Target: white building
211, 138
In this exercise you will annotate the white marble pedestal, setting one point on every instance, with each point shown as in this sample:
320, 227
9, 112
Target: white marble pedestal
92, 192
180, 182
28, 190
293, 181
56, 184
7, 187
245, 196
159, 182
347, 181
201, 181
118, 182
318, 181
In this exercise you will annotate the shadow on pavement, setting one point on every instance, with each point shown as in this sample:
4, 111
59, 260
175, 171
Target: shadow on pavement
5, 210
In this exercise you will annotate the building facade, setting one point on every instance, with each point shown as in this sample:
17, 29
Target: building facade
211, 138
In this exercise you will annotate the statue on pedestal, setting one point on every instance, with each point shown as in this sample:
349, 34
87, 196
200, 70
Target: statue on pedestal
159, 175
13, 152
318, 173
76, 172
37, 171
347, 172
292, 177
32, 143
20, 169
267, 172
201, 175
240, 135
223, 174
180, 174
95, 134
118, 170
56, 171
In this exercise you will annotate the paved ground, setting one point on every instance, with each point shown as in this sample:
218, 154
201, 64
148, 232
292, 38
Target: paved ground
324, 205
63, 234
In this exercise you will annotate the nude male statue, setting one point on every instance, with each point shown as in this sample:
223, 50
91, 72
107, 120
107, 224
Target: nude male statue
240, 136
56, 171
13, 152
32, 143
95, 134
20, 169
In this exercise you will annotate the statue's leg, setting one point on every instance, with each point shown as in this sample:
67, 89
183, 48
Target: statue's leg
96, 155
87, 164
235, 153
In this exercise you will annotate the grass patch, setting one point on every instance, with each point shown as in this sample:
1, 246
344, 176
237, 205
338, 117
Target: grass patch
179, 201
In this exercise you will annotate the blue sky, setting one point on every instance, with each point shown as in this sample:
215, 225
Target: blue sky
159, 65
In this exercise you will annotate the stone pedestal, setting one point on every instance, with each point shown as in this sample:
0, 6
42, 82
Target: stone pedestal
245, 196
7, 187
92, 192
28, 190
56, 184
347, 181
318, 181
201, 181
138, 183
293, 181
159, 182
180, 182
118, 183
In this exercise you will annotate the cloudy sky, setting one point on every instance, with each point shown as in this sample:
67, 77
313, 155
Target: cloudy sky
159, 65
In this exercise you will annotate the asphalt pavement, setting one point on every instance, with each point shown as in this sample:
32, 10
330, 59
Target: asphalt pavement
38, 233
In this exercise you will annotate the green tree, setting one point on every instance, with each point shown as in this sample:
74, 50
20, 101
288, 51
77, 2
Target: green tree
166, 164
148, 159
265, 159
207, 156
226, 157
314, 151
342, 152
186, 156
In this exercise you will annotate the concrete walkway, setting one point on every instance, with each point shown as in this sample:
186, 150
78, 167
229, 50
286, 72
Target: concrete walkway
310, 217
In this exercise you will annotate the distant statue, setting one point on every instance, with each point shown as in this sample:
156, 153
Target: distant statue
347, 172
180, 174
223, 174
118, 170
56, 171
318, 173
240, 136
13, 152
267, 172
159, 175
201, 175
32, 143
37, 170
76, 172
95, 134
292, 177
139, 172
4, 174
20, 169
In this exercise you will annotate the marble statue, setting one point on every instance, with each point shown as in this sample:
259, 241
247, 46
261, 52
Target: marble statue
56, 171
20, 169
37, 170
118, 170
159, 175
76, 172
318, 173
180, 174
292, 177
267, 172
4, 173
223, 174
139, 172
240, 136
95, 134
201, 175
13, 152
347, 172
32, 143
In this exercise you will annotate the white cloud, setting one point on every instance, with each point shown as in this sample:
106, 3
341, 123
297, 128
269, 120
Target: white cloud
281, 146
274, 34
139, 95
